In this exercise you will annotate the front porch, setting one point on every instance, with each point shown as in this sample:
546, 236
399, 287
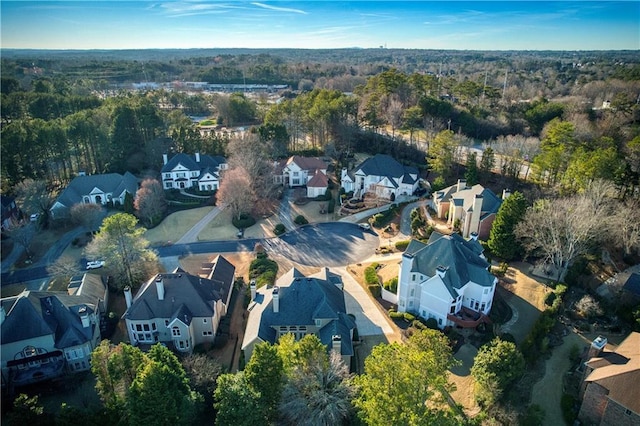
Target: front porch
468, 318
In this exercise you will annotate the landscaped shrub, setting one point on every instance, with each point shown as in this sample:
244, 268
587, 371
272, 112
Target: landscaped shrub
244, 221
432, 323
300, 220
266, 278
409, 317
396, 315
419, 325
375, 290
279, 229
391, 285
371, 274
402, 245
263, 270
549, 298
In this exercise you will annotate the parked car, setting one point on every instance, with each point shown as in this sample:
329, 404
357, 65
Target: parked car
364, 226
34, 217
240, 233
95, 264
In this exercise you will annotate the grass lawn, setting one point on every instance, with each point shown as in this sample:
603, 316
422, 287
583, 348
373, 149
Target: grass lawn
176, 225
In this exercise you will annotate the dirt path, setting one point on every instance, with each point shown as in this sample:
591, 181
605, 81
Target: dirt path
547, 392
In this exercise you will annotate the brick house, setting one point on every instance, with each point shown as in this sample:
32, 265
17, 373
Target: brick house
610, 390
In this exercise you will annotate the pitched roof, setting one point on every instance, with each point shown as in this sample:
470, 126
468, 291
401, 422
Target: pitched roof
619, 372
319, 180
387, 166
34, 314
465, 198
302, 300
198, 295
453, 252
632, 284
207, 162
113, 183
307, 163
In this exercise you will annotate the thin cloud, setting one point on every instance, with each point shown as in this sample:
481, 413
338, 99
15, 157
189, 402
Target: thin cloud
280, 9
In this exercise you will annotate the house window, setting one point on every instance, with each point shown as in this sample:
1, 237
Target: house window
140, 337
146, 327
413, 277
153, 326
204, 320
87, 200
167, 175
453, 309
411, 303
181, 344
486, 290
627, 412
138, 327
440, 321
181, 175
166, 323
168, 184
175, 331
482, 306
207, 333
295, 173
424, 313
412, 291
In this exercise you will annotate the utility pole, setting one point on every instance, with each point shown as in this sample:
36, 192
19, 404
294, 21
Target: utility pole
504, 88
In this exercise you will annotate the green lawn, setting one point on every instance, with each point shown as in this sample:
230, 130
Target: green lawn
174, 226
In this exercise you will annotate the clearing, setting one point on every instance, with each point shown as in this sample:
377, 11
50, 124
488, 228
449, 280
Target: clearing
175, 225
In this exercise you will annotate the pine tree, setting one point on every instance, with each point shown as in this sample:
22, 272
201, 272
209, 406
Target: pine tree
502, 240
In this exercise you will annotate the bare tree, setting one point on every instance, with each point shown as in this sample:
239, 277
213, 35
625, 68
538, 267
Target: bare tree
150, 202
624, 229
64, 266
34, 197
562, 229
23, 236
253, 155
88, 215
236, 192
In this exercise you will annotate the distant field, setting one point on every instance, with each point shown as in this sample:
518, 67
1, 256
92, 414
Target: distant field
175, 225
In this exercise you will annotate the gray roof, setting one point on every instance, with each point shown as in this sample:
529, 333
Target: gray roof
460, 256
207, 164
302, 300
465, 197
387, 166
183, 291
34, 314
113, 183
632, 284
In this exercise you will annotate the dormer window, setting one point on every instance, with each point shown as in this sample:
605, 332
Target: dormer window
175, 331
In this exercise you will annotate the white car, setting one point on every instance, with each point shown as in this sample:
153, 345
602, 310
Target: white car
95, 264
364, 226
34, 217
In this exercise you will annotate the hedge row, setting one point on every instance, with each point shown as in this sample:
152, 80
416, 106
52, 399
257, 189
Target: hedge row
371, 274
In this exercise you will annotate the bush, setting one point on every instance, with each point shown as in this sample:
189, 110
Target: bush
432, 323
391, 285
267, 278
438, 184
300, 220
548, 300
279, 229
371, 275
375, 290
568, 402
396, 315
402, 245
409, 317
244, 221
418, 324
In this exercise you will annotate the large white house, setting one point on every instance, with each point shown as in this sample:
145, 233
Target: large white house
381, 175
180, 309
201, 171
299, 171
447, 279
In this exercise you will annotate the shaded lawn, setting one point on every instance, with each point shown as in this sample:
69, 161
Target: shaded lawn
174, 226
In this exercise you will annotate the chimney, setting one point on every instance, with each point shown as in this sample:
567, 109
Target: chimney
252, 286
462, 184
336, 343
505, 194
197, 157
165, 159
596, 347
3, 314
441, 271
474, 223
84, 316
160, 287
127, 296
276, 299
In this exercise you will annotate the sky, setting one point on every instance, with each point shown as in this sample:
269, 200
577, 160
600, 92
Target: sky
463, 25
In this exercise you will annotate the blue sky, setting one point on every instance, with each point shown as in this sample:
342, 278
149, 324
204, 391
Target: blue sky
483, 25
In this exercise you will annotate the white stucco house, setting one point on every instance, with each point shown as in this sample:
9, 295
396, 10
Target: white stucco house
97, 189
447, 279
381, 175
180, 309
183, 171
297, 171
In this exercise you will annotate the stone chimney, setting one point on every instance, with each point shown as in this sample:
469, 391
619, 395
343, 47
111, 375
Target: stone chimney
441, 271
165, 159
160, 287
276, 299
596, 347
197, 157
252, 286
336, 344
84, 316
462, 184
505, 193
127, 296
474, 223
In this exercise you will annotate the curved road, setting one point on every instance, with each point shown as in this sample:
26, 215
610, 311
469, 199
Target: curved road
323, 244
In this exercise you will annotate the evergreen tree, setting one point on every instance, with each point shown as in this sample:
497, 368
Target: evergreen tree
264, 373
471, 173
502, 240
497, 364
488, 161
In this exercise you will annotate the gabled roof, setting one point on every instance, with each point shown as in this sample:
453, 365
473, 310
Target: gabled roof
319, 180
206, 162
618, 371
183, 291
302, 300
632, 285
453, 252
307, 163
465, 198
34, 314
386, 166
113, 183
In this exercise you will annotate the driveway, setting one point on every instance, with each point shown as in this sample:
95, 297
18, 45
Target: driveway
285, 210
405, 220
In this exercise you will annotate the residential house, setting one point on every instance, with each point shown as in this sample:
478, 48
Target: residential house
46, 334
381, 175
96, 189
10, 212
447, 279
300, 305
475, 207
299, 171
201, 171
609, 392
180, 309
